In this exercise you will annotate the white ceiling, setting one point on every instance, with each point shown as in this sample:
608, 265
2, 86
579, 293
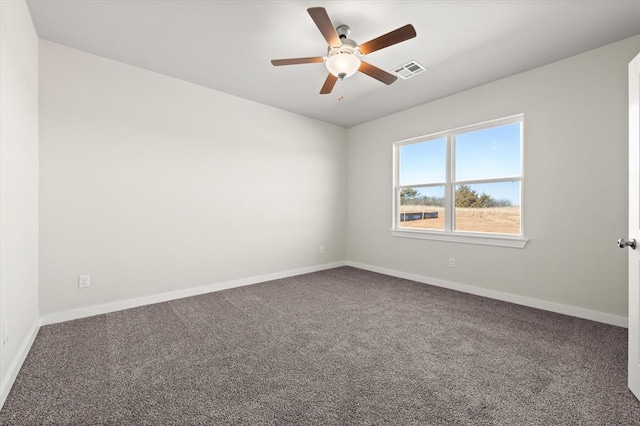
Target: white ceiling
228, 45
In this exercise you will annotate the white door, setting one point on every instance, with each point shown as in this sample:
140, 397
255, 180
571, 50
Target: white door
634, 226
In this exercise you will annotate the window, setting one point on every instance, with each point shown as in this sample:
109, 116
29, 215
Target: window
462, 185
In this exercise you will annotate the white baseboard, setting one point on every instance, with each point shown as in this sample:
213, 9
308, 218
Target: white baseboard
179, 294
465, 288
499, 295
16, 364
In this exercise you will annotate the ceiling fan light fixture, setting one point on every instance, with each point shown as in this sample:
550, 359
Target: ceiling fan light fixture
343, 64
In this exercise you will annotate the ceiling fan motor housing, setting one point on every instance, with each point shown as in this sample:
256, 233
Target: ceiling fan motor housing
349, 47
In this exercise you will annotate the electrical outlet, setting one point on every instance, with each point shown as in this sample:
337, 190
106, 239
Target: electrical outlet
452, 262
5, 333
321, 249
84, 281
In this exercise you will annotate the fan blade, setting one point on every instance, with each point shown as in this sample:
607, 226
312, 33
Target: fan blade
294, 61
327, 87
388, 39
320, 17
377, 73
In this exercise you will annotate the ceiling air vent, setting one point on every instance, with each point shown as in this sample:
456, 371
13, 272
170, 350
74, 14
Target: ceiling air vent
409, 69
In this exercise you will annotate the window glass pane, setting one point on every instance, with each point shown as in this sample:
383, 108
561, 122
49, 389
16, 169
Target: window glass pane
422, 208
423, 162
488, 207
488, 153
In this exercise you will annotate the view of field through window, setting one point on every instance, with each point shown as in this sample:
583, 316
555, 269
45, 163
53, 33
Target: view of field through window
486, 191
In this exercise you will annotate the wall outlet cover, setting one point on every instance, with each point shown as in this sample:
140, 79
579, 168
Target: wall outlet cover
84, 281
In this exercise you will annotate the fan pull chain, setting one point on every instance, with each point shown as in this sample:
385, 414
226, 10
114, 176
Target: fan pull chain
341, 87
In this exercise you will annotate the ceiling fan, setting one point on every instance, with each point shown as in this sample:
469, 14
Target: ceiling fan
343, 55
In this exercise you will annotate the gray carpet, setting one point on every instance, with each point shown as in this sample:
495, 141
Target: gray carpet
337, 347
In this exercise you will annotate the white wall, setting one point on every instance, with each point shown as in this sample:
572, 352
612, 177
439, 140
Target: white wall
576, 135
18, 187
154, 185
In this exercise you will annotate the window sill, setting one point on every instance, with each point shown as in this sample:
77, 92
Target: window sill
465, 238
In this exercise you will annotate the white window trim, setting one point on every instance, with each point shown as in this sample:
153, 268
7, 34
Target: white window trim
450, 235
485, 239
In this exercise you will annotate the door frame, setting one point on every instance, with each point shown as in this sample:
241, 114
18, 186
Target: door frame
634, 227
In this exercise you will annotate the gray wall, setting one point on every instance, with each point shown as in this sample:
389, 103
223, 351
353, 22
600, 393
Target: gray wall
18, 188
154, 185
576, 132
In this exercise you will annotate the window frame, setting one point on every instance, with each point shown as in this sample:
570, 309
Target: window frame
449, 234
